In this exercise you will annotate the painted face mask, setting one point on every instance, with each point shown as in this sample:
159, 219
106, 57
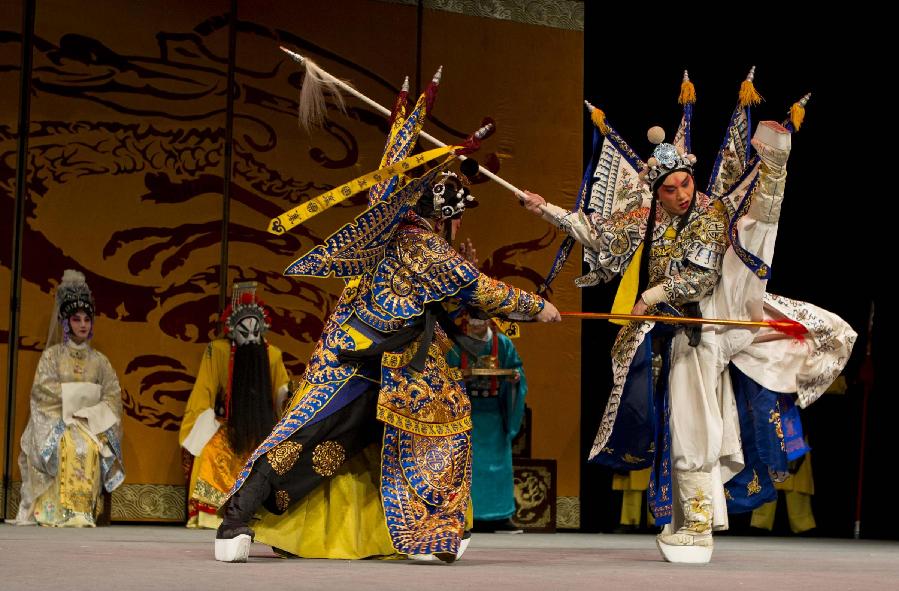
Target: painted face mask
248, 330
246, 319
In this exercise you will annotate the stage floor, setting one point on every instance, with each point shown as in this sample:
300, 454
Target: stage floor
169, 558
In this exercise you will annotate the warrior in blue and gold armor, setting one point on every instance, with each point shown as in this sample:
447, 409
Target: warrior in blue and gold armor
373, 455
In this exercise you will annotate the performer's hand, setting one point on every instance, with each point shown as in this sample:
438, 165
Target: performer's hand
468, 252
639, 307
549, 313
531, 202
517, 377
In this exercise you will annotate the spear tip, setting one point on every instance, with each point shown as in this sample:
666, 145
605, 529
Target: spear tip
483, 131
293, 55
789, 327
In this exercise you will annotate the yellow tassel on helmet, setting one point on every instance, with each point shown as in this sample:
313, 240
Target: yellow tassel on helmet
797, 112
749, 96
797, 116
687, 91
599, 120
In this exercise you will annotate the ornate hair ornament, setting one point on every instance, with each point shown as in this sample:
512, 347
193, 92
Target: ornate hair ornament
666, 158
74, 295
449, 203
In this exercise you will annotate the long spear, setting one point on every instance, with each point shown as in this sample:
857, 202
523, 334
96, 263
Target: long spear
307, 63
786, 326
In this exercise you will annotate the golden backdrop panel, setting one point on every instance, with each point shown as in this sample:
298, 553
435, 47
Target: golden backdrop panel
10, 75
127, 131
278, 165
124, 183
529, 79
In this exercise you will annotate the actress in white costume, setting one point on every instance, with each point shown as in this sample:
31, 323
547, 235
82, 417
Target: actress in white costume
71, 447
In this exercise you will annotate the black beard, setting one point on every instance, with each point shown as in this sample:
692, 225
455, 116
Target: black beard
250, 416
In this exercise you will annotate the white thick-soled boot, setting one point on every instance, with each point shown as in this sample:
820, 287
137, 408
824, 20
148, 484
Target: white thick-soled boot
692, 542
234, 536
444, 557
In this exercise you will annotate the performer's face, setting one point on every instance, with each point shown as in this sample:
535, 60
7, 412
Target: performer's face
248, 330
80, 325
477, 328
676, 192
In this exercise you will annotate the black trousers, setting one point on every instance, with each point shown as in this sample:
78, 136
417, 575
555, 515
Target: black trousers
296, 466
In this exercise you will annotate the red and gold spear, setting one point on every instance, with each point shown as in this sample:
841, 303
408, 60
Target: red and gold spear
786, 326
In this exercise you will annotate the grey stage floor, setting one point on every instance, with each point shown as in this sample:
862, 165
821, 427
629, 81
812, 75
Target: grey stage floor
166, 558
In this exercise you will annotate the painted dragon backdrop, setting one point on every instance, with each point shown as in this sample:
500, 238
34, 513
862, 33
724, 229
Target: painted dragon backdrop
124, 179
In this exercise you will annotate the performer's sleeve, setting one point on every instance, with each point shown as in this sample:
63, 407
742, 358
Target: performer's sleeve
741, 293
768, 195
202, 397
107, 413
440, 273
279, 377
690, 285
574, 223
515, 393
614, 239
496, 298
454, 357
112, 391
46, 391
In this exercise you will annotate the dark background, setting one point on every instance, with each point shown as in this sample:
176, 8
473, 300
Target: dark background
834, 208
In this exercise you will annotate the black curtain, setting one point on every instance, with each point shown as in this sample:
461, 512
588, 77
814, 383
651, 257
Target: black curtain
830, 225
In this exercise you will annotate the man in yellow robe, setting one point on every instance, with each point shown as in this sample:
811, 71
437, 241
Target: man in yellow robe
240, 389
